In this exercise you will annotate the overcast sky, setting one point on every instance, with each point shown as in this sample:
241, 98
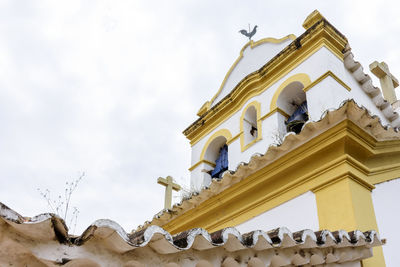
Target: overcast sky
107, 87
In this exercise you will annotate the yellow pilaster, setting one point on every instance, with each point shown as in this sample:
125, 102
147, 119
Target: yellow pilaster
347, 204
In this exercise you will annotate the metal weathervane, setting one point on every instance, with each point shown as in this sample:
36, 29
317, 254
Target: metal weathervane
249, 33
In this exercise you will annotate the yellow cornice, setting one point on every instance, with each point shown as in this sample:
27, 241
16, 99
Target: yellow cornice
343, 151
322, 34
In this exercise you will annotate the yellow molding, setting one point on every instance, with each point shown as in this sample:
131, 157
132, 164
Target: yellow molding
303, 78
273, 112
223, 132
355, 179
323, 77
257, 82
282, 113
345, 150
199, 162
252, 45
233, 139
257, 106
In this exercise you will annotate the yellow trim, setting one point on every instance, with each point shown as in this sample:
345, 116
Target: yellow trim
223, 132
323, 35
341, 152
323, 77
273, 112
233, 139
283, 113
303, 78
252, 45
199, 162
204, 108
257, 106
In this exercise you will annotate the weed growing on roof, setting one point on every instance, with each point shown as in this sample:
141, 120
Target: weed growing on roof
277, 138
61, 204
187, 193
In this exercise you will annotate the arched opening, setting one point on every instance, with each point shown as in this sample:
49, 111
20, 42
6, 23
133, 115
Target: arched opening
217, 153
250, 127
292, 101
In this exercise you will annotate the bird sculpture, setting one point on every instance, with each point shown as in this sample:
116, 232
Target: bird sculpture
248, 33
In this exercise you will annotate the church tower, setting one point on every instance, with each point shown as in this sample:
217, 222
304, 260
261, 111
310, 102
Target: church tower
296, 136
271, 90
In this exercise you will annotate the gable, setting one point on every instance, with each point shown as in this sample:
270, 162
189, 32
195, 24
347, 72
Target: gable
253, 56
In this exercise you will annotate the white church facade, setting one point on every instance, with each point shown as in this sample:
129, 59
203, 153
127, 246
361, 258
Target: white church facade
297, 137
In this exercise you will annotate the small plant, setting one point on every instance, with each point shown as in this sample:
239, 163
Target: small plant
61, 204
187, 193
277, 138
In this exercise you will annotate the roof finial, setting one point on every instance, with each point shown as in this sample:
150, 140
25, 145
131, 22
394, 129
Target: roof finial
248, 33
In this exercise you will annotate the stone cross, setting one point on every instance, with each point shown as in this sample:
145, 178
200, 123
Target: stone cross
387, 80
169, 186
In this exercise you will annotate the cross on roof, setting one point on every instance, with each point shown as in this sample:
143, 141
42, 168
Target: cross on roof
387, 80
169, 186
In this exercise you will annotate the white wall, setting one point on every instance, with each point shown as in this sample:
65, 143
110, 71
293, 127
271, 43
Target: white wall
297, 214
386, 199
327, 94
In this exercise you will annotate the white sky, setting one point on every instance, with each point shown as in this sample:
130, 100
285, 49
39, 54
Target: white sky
107, 87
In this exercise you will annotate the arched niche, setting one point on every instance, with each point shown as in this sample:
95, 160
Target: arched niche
211, 154
212, 151
290, 97
302, 78
292, 102
250, 125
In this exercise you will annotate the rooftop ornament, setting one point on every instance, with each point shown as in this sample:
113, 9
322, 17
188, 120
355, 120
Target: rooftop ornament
249, 33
